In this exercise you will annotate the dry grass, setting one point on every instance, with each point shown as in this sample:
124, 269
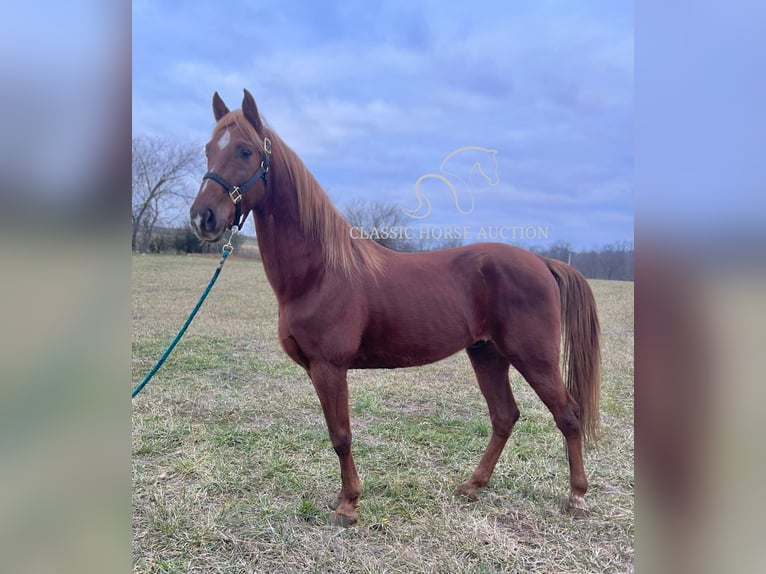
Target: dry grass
232, 466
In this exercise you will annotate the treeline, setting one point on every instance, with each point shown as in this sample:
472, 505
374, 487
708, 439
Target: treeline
612, 261
179, 240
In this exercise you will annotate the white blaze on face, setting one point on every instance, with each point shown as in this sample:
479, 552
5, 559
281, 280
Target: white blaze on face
204, 186
224, 140
197, 222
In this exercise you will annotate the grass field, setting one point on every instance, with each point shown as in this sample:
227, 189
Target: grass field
232, 465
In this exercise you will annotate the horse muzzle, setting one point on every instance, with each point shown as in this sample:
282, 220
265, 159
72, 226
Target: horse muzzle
206, 225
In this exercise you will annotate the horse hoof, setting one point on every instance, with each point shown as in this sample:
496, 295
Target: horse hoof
576, 507
467, 491
342, 520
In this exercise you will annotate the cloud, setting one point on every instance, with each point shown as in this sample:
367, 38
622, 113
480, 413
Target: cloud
372, 97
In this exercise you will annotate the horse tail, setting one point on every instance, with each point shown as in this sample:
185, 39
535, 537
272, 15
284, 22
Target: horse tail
582, 353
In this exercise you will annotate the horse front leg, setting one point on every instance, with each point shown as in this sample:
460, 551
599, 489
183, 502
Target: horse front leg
332, 389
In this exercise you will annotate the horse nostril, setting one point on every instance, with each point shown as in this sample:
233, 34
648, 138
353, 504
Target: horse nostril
208, 222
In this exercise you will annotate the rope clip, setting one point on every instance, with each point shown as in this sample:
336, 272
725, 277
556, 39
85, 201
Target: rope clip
228, 247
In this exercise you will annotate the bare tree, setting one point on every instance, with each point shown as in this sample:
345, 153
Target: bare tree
380, 221
560, 250
432, 243
384, 223
616, 260
613, 261
160, 169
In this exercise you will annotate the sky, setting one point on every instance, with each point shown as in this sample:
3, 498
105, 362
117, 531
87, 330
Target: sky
373, 98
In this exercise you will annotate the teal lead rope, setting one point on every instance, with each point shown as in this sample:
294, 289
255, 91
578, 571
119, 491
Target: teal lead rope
227, 249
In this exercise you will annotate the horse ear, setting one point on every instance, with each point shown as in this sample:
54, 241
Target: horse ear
251, 112
219, 108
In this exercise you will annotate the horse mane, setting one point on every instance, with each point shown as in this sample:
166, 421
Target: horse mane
318, 217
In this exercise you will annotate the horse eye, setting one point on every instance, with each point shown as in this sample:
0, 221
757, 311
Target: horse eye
245, 153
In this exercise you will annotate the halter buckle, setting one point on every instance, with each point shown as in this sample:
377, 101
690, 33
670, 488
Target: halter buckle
235, 194
267, 145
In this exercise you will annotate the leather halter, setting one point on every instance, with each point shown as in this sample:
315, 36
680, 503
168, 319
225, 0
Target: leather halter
237, 191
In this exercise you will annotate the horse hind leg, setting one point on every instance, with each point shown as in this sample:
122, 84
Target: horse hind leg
544, 376
491, 370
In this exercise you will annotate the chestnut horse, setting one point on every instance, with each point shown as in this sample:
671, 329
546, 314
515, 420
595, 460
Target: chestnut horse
349, 303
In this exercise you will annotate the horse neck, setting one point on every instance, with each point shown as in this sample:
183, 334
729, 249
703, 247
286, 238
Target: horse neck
293, 262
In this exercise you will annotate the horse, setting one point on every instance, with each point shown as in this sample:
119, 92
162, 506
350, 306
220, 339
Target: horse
348, 303
423, 209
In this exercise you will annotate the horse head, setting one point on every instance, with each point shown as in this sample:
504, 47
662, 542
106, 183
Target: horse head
238, 156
